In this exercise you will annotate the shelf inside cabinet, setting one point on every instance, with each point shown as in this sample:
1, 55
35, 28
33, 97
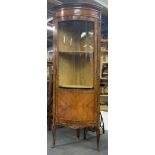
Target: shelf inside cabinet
104, 51
105, 73
49, 63
104, 62
75, 86
104, 95
76, 52
103, 107
103, 78
104, 40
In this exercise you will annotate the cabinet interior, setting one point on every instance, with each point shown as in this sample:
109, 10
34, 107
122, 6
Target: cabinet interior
76, 54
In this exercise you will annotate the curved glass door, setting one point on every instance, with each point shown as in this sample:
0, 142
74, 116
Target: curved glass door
76, 58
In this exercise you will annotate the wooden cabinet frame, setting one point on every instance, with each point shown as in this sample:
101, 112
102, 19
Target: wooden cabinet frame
69, 102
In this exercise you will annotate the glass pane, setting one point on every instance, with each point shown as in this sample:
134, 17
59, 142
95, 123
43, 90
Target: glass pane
76, 46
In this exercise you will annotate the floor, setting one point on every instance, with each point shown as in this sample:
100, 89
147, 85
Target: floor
67, 144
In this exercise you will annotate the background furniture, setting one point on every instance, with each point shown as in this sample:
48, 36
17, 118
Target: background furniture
104, 75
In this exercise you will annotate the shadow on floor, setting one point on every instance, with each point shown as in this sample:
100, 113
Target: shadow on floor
67, 144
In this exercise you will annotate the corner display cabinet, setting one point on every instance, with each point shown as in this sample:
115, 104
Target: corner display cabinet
76, 67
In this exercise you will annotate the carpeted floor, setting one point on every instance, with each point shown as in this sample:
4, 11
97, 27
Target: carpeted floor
67, 144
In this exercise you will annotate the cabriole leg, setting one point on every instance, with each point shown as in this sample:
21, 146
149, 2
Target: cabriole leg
54, 134
98, 137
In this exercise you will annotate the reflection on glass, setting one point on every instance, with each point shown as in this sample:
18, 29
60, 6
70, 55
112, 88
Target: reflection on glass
76, 45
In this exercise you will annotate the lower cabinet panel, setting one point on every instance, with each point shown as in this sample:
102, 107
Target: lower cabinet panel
76, 108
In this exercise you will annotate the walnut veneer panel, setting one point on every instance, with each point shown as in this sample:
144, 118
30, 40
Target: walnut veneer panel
76, 107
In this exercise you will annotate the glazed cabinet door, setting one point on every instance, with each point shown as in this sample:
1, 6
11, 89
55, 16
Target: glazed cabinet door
75, 55
76, 79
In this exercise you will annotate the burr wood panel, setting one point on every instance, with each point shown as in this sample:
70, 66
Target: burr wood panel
77, 107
